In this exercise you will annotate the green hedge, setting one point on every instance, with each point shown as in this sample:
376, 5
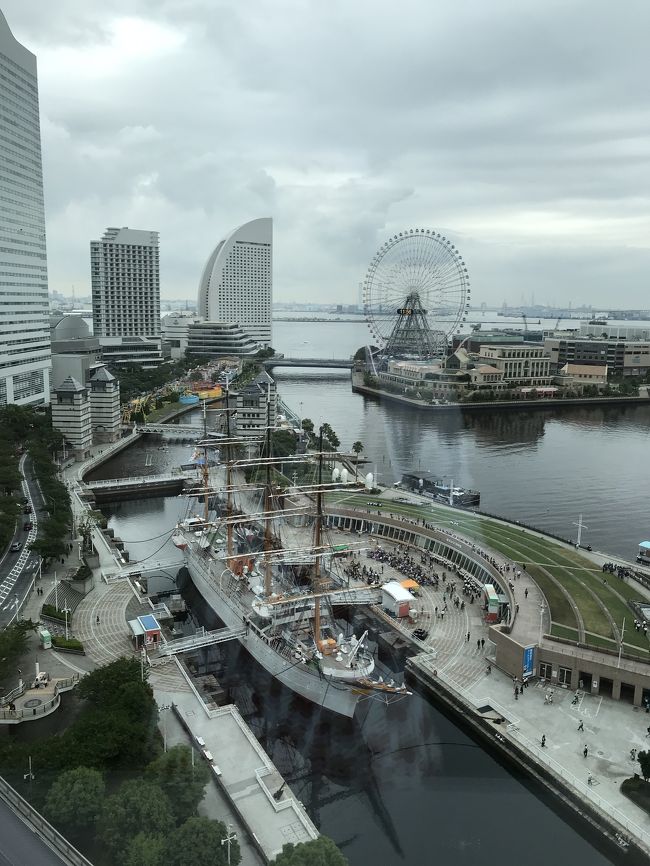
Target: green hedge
53, 612
69, 644
638, 791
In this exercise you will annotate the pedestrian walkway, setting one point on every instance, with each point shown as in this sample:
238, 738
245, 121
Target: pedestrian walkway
608, 729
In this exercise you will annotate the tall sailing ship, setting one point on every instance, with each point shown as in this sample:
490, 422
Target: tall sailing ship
269, 574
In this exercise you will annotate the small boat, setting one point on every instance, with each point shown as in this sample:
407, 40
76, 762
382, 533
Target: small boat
179, 540
428, 485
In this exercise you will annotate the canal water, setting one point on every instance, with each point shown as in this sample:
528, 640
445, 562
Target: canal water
408, 786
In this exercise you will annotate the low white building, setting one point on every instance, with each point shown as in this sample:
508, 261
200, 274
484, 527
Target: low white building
396, 599
126, 351
587, 374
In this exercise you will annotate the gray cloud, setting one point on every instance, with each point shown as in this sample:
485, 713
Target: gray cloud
521, 129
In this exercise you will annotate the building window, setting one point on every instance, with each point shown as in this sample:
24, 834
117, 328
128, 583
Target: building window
564, 676
545, 670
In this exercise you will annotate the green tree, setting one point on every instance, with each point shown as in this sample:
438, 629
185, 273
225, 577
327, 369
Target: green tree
104, 685
307, 425
357, 447
198, 841
146, 849
182, 782
74, 802
137, 804
644, 761
318, 852
330, 439
283, 443
13, 645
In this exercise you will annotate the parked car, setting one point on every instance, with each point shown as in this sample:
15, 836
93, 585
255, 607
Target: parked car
27, 509
15, 546
27, 526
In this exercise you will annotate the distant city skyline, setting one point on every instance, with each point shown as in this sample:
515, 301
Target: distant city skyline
490, 126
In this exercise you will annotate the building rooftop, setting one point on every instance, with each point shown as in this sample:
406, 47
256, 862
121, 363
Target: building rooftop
70, 385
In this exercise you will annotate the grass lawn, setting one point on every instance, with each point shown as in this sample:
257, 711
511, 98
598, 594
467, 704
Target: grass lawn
559, 571
564, 632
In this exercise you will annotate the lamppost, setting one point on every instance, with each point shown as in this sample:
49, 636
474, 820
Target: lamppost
230, 838
542, 608
66, 611
163, 709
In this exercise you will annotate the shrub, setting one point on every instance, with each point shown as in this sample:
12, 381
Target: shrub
70, 643
52, 612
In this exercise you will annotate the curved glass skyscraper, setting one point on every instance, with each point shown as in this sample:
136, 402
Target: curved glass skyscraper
237, 281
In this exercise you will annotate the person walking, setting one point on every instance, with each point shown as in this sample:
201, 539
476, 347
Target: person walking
581, 726
585, 751
543, 741
633, 754
97, 621
468, 636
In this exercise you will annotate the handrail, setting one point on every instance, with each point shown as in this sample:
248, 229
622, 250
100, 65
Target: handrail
42, 828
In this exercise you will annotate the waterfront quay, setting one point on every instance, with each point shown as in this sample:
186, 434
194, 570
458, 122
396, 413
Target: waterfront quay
545, 726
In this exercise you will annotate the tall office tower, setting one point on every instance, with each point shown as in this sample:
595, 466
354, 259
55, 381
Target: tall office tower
24, 307
125, 276
237, 281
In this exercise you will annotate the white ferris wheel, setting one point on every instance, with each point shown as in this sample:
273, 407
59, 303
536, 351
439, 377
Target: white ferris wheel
417, 273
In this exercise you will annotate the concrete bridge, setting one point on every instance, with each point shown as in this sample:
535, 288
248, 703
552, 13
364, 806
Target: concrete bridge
331, 363
179, 430
144, 485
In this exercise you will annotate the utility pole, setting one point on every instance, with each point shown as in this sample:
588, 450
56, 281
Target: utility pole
164, 709
230, 838
580, 526
620, 645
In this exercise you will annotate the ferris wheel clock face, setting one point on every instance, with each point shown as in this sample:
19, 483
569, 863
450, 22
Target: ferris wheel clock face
416, 268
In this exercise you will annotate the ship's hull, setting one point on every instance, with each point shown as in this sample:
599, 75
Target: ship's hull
338, 697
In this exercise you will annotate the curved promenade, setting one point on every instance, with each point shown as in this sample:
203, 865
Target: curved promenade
455, 669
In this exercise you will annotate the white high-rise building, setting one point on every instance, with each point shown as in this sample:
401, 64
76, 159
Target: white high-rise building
237, 282
125, 276
24, 306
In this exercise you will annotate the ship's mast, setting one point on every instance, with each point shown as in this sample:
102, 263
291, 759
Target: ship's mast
229, 528
205, 473
267, 500
317, 540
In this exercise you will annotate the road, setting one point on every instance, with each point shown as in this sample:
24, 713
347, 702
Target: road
17, 569
21, 846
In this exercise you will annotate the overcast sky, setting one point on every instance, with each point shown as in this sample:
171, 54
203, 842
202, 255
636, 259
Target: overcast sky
520, 129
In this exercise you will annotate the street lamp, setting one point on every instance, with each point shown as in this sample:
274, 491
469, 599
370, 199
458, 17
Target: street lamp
230, 838
542, 608
66, 611
164, 708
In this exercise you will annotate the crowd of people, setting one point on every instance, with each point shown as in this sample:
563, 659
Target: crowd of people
619, 570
